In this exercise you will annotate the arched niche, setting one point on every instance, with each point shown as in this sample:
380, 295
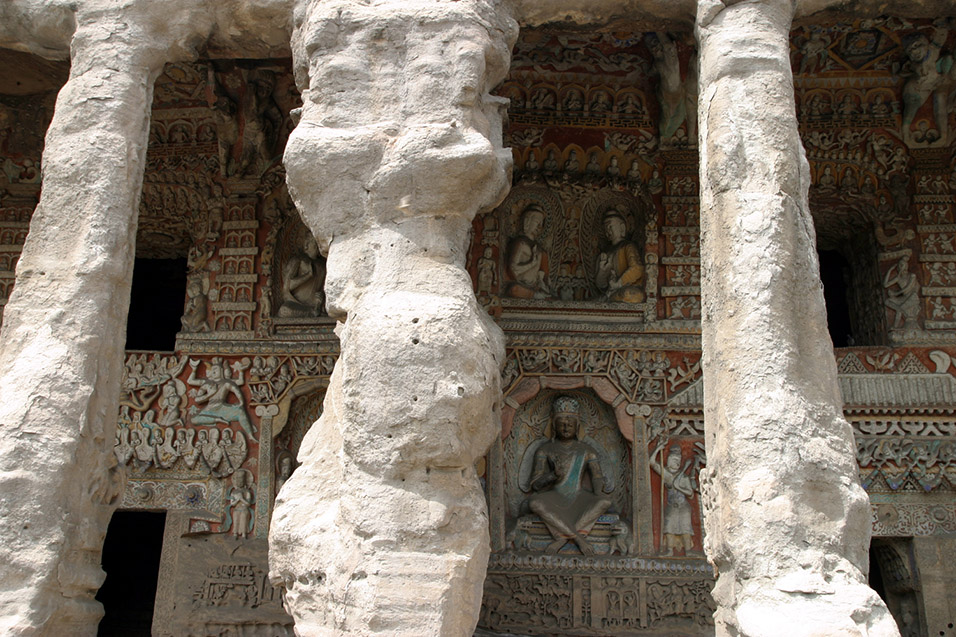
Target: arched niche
607, 424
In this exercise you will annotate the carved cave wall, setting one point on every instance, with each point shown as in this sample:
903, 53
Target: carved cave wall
209, 431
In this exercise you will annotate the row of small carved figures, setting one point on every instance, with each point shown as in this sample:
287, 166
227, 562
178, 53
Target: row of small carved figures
593, 168
820, 106
600, 102
508, 605
221, 454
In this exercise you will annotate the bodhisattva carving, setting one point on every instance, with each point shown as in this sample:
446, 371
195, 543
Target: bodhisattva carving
927, 74
487, 272
195, 315
620, 272
902, 294
242, 498
677, 95
214, 390
527, 259
303, 283
568, 509
285, 465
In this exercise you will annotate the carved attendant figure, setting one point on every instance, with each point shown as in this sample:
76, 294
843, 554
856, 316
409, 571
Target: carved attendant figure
241, 498
286, 467
677, 530
197, 304
486, 271
902, 296
563, 503
527, 260
620, 272
927, 74
303, 283
677, 97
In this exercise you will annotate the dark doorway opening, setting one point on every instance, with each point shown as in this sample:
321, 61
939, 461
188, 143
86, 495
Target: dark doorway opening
895, 577
835, 275
876, 576
156, 304
134, 544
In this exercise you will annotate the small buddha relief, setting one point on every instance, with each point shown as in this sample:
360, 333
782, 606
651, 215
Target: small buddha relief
534, 230
612, 238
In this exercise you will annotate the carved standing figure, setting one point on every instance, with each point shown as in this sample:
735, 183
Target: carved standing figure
242, 497
902, 294
261, 120
286, 467
562, 501
620, 272
677, 97
486, 271
527, 259
677, 529
197, 304
927, 75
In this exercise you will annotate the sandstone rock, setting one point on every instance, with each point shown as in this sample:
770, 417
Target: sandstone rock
787, 522
383, 529
61, 358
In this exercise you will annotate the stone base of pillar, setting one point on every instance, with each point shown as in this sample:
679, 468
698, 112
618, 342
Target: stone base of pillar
844, 609
383, 529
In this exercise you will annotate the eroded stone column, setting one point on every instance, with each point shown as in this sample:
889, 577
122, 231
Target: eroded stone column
61, 346
787, 523
383, 528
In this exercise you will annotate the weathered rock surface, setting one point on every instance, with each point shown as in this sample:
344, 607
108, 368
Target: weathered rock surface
787, 522
61, 347
261, 28
383, 527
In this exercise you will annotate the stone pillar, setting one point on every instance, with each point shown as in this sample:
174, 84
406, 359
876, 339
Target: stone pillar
787, 523
61, 346
383, 528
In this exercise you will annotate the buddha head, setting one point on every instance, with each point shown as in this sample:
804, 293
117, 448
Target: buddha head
565, 418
